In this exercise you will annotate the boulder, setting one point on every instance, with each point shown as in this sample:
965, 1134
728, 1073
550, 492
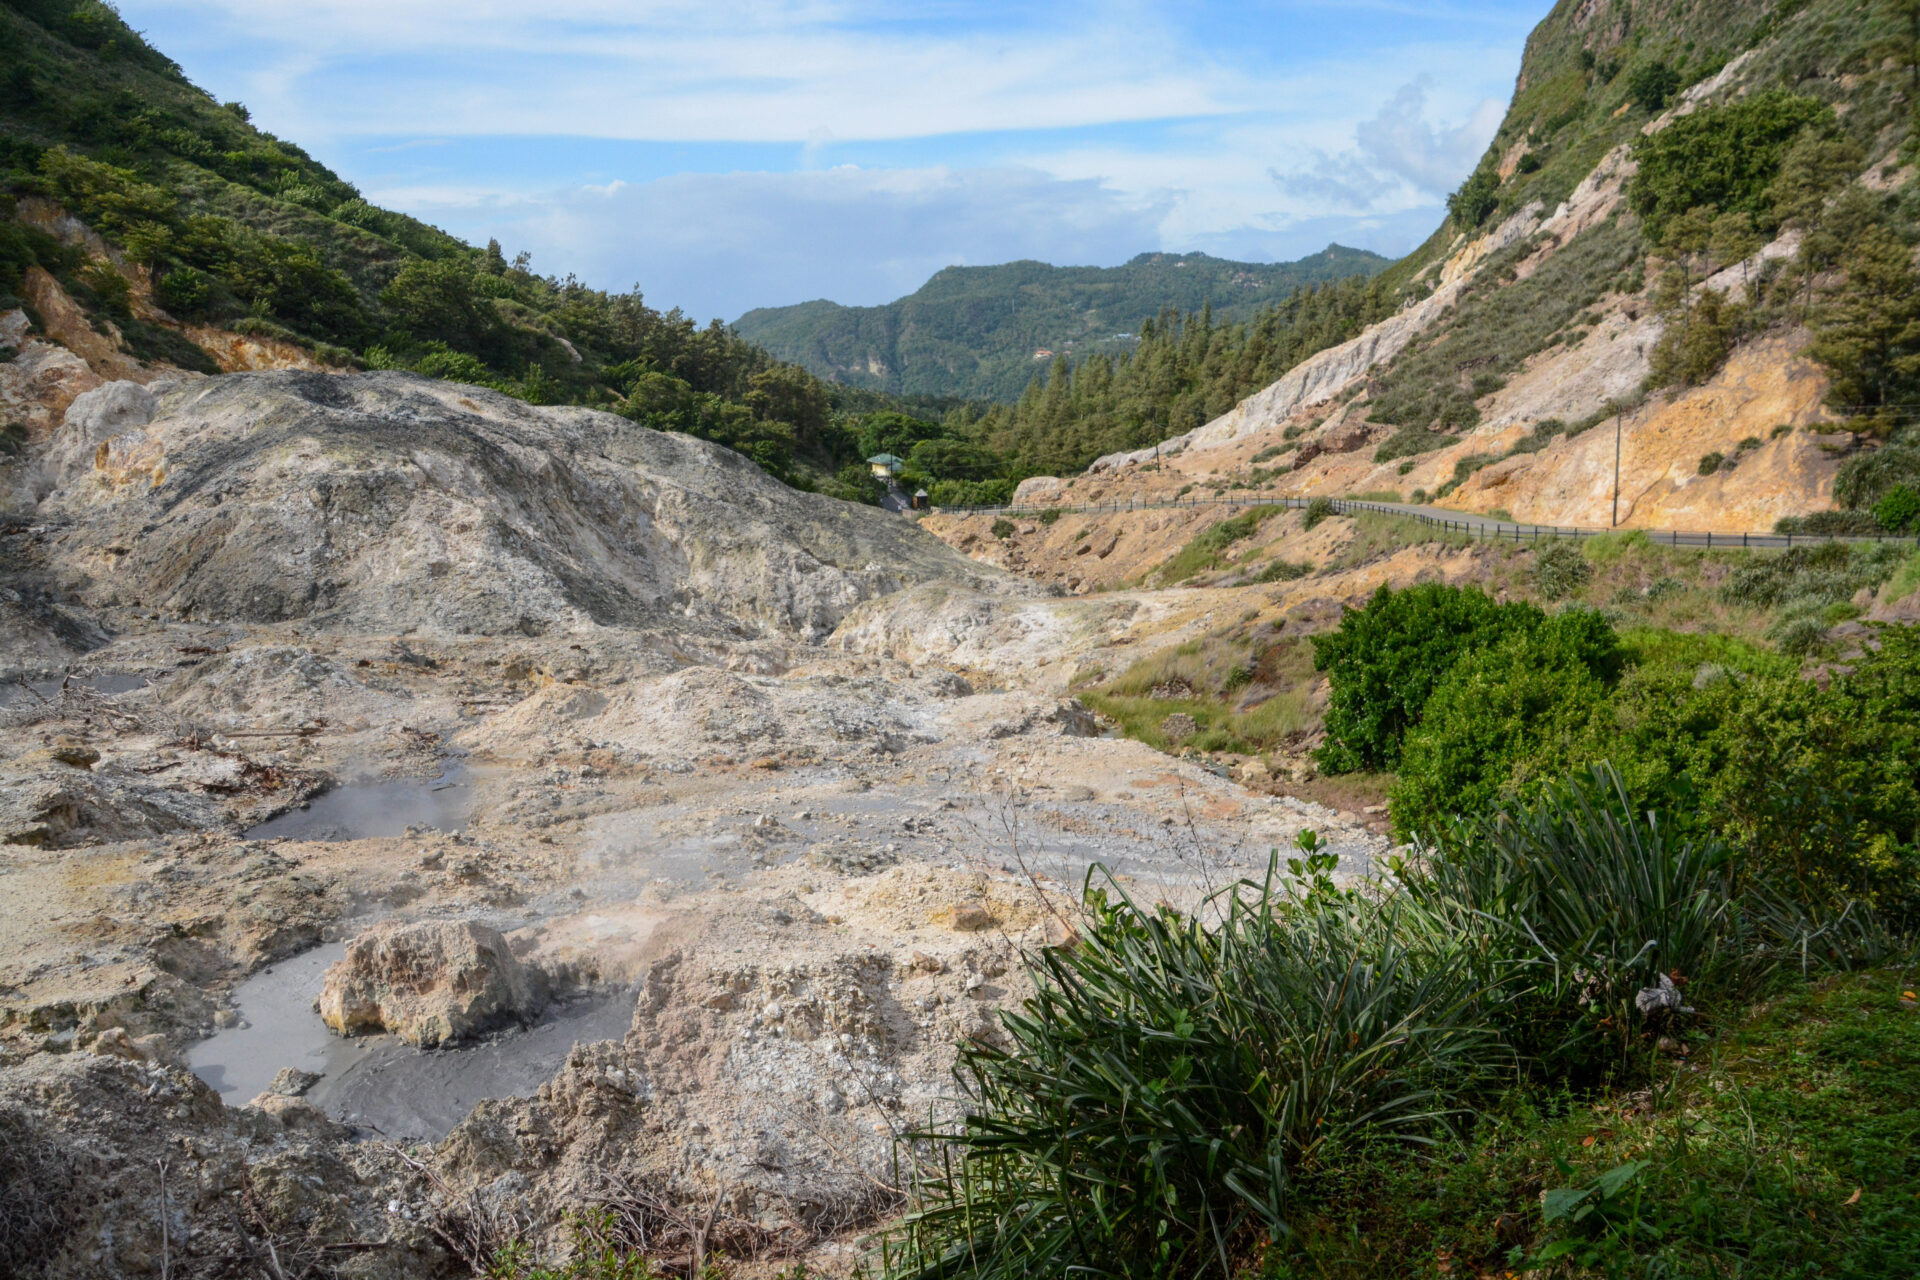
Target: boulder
94, 418
1178, 727
431, 983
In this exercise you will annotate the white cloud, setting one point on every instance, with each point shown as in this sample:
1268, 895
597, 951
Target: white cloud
1398, 152
721, 244
987, 131
1402, 141
733, 70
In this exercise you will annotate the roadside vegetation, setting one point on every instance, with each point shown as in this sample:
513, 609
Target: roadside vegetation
1564, 1038
1637, 998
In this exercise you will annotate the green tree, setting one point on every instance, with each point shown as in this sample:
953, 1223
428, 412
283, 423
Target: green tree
436, 302
1651, 85
1383, 662
1721, 158
1499, 715
1867, 332
1477, 197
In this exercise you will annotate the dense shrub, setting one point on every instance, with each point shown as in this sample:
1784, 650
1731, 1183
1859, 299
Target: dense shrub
1318, 509
1721, 158
1477, 197
1829, 524
1651, 84
970, 493
1409, 441
1383, 662
1829, 573
1898, 510
1503, 716
1864, 478
1560, 569
1814, 790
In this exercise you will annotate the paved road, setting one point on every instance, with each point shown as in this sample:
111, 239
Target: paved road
1478, 526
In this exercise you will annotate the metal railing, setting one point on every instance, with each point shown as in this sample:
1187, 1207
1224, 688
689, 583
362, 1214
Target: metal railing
1482, 528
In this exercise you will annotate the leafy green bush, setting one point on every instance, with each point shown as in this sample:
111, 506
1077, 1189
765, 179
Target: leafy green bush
1651, 84
1710, 462
1501, 715
1898, 510
970, 493
1317, 510
1384, 661
1004, 528
1722, 158
1816, 791
1477, 197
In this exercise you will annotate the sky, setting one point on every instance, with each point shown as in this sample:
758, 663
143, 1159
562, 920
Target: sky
732, 154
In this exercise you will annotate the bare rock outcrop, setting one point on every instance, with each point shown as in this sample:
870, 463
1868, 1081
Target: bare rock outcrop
430, 984
390, 503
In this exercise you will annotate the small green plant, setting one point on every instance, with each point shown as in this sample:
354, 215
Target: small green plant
1004, 528
1317, 510
1593, 1214
1559, 570
1284, 571
1898, 510
1710, 463
597, 1254
1050, 516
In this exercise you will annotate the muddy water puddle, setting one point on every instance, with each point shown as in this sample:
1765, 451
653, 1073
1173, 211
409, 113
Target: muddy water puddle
377, 1083
15, 693
375, 809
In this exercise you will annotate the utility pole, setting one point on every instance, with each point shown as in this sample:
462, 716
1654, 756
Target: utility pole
1618, 421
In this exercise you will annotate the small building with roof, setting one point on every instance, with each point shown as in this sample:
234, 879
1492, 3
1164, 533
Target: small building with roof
884, 465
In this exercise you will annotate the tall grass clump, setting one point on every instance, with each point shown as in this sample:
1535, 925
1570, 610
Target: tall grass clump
1178, 1086
1172, 1079
1576, 904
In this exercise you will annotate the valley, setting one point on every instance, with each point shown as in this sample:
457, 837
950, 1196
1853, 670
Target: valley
485, 791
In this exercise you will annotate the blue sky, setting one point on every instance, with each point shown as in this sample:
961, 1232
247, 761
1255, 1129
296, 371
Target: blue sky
738, 153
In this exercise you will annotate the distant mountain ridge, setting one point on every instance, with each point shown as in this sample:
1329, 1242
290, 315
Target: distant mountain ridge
981, 331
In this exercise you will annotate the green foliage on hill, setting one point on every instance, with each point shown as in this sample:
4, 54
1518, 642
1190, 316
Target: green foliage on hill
974, 331
1384, 661
244, 230
1185, 371
1725, 157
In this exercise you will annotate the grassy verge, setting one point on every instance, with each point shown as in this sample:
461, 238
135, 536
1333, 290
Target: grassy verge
1784, 1147
1244, 691
1211, 548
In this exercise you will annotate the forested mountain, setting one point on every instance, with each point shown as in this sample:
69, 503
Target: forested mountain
985, 332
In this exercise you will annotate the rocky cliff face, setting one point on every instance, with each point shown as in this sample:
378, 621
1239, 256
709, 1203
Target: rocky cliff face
396, 504
1539, 329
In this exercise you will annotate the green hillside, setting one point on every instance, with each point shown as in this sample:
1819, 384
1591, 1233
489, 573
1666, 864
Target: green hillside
975, 331
230, 226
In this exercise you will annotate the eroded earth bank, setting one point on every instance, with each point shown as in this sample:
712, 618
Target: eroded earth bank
426, 815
